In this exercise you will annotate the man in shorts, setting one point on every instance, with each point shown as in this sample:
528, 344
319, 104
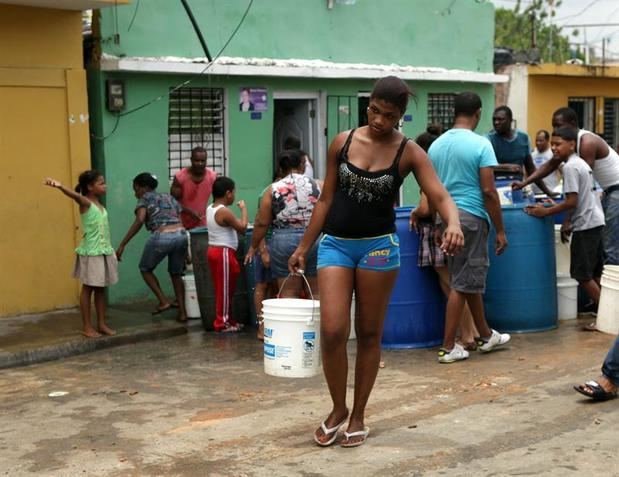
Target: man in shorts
465, 161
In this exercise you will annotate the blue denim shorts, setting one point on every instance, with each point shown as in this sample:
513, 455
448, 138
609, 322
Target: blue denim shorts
283, 244
161, 245
381, 254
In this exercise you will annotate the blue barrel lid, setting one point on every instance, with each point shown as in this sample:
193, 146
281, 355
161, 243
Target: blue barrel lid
404, 211
520, 205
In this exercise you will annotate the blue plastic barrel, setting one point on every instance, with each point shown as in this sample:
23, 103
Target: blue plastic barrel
416, 311
558, 218
521, 290
250, 277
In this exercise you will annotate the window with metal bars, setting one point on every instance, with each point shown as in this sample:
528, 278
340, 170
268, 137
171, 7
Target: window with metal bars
196, 118
585, 111
441, 109
611, 121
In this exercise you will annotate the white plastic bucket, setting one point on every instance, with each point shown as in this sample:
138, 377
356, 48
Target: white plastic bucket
291, 337
562, 253
608, 311
192, 307
567, 297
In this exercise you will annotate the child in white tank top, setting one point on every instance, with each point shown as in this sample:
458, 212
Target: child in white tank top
223, 227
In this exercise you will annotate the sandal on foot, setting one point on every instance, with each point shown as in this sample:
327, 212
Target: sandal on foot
349, 435
598, 393
590, 327
326, 432
161, 309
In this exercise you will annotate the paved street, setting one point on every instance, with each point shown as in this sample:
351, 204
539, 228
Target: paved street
200, 405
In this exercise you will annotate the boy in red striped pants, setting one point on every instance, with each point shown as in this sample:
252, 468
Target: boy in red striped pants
223, 241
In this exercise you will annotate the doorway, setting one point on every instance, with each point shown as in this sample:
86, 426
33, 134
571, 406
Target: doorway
297, 117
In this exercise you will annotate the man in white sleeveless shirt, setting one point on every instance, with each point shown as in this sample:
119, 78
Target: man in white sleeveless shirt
605, 164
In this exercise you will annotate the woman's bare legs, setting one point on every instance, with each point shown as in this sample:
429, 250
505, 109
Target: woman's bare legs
260, 293
153, 283
372, 292
179, 293
336, 284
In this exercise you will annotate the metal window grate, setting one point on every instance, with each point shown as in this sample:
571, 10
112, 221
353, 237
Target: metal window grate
441, 109
196, 118
585, 110
611, 121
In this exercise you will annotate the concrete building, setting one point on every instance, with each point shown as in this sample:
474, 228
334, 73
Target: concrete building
534, 92
43, 132
309, 68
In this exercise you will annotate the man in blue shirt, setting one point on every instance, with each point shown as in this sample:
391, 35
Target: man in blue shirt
512, 148
465, 161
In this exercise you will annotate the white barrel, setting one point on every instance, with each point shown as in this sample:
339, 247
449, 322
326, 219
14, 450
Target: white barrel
567, 297
562, 253
608, 311
291, 337
192, 307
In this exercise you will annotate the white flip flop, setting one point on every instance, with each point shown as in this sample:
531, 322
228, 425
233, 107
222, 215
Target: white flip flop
327, 431
348, 435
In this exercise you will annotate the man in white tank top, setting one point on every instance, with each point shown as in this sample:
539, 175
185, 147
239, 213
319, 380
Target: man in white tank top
604, 161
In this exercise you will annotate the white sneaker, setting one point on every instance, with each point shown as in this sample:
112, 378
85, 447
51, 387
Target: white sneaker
456, 354
496, 339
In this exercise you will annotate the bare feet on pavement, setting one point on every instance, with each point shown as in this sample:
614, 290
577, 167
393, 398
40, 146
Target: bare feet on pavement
106, 330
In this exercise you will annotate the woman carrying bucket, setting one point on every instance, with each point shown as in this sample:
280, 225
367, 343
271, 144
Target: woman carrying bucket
360, 251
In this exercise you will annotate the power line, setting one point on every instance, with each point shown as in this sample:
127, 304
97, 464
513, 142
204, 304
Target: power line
184, 83
593, 2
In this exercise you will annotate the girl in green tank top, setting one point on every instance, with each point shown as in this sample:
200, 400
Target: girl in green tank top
95, 265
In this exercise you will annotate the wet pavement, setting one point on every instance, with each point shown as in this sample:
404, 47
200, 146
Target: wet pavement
199, 404
28, 339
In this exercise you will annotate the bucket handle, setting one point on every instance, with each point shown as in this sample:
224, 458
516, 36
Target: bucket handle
302, 274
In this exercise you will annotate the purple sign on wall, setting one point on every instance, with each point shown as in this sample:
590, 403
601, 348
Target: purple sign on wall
252, 99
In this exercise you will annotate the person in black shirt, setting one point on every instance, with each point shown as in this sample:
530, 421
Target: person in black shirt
360, 251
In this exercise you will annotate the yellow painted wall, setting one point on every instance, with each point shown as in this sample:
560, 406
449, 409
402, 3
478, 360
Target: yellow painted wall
43, 132
547, 93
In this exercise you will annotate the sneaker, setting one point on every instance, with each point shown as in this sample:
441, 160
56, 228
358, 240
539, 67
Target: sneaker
496, 339
456, 354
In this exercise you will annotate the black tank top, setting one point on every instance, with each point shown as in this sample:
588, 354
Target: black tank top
363, 202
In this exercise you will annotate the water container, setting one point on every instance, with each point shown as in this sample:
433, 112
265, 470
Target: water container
204, 281
291, 337
608, 310
562, 253
250, 277
559, 218
416, 311
192, 307
508, 196
521, 290
567, 297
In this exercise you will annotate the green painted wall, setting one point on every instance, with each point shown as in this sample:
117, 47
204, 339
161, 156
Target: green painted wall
139, 144
445, 33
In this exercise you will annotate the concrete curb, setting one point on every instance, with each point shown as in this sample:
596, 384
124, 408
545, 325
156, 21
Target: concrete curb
81, 346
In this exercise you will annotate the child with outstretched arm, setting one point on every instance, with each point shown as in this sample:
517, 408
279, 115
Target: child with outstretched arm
95, 264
